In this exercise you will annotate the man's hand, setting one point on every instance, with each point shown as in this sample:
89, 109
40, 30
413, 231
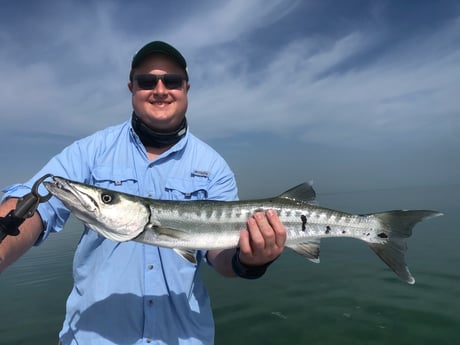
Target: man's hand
12, 247
261, 243
264, 239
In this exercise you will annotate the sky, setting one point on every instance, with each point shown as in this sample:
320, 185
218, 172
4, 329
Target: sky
351, 95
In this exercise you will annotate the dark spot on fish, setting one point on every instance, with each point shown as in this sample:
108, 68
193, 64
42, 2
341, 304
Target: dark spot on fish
328, 229
304, 222
382, 235
344, 232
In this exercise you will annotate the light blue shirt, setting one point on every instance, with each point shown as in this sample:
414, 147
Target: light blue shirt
131, 293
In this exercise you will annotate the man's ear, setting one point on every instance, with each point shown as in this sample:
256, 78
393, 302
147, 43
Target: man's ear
130, 87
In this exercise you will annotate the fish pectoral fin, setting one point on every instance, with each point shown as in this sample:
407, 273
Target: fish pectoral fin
173, 233
309, 249
186, 254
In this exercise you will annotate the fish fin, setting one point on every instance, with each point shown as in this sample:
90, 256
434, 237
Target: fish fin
186, 254
309, 250
169, 232
392, 253
396, 226
303, 192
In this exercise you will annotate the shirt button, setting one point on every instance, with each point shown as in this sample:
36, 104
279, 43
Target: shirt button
150, 302
150, 267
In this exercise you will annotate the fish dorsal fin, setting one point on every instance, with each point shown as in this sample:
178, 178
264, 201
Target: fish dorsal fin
303, 192
308, 249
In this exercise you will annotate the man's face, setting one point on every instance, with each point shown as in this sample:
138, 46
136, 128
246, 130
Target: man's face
160, 108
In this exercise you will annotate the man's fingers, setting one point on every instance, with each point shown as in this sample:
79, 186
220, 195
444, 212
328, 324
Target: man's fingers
278, 228
264, 239
244, 243
265, 231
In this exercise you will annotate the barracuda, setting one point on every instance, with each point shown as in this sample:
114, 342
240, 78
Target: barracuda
186, 226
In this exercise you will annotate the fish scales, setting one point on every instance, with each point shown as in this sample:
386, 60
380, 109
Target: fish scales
227, 217
186, 226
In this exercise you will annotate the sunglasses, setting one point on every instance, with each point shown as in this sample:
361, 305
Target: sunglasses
149, 81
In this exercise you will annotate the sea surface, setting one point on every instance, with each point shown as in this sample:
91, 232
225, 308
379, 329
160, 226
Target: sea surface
351, 297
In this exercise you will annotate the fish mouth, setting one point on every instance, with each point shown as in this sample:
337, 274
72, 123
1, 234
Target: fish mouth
69, 193
85, 202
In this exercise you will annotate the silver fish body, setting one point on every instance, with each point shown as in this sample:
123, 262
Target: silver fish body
207, 224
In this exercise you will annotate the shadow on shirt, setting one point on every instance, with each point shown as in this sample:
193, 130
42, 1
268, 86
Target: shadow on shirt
160, 320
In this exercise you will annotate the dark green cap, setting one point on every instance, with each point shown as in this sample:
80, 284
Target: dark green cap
162, 48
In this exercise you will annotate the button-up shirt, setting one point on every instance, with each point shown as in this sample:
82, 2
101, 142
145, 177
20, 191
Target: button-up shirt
131, 293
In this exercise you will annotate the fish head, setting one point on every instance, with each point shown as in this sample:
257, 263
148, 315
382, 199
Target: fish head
114, 215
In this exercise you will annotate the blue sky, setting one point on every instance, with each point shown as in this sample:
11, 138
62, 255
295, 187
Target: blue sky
351, 94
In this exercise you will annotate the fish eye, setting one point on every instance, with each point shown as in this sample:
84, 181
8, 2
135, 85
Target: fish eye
107, 198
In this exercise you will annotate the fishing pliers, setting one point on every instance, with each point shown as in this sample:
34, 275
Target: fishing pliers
25, 208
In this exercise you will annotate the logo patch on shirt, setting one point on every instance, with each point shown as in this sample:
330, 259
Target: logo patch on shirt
201, 173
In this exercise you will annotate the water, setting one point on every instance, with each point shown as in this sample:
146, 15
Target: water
351, 297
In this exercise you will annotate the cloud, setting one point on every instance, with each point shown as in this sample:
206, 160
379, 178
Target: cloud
72, 79
312, 88
222, 22
346, 86
320, 80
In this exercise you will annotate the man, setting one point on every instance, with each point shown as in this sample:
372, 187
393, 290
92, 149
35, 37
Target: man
130, 293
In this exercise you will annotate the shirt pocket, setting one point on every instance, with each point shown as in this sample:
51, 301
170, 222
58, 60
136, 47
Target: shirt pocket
119, 179
192, 188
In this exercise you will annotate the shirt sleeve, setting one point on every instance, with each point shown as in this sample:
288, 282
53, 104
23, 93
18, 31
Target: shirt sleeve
223, 183
71, 163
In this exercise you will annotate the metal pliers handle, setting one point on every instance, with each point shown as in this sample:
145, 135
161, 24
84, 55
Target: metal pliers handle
25, 208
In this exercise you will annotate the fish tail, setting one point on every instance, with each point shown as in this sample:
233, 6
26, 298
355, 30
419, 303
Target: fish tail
396, 226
